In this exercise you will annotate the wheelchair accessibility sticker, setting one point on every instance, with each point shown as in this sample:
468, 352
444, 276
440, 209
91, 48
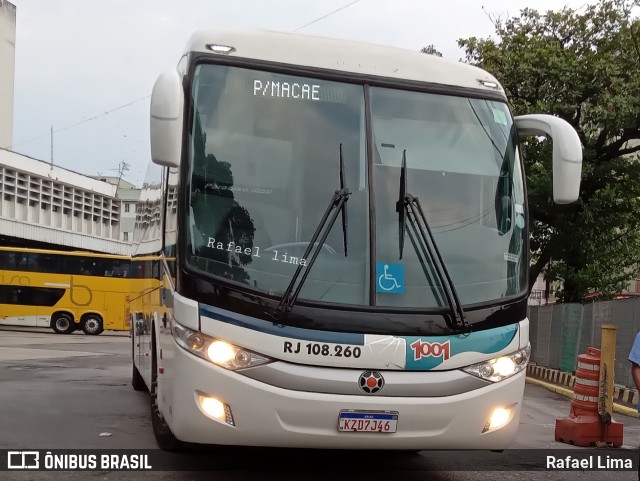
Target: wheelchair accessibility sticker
390, 278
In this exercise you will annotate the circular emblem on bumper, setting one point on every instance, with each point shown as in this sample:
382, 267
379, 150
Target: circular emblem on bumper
371, 382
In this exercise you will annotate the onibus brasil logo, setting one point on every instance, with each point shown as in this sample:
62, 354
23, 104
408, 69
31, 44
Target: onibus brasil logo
430, 349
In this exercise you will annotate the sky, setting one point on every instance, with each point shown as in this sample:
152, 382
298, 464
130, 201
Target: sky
86, 68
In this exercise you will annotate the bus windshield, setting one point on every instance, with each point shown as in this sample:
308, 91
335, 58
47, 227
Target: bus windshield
264, 160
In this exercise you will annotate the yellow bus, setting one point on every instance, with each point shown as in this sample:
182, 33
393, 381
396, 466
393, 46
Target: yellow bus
67, 291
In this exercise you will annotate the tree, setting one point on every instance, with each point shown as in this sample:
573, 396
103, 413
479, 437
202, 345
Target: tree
583, 66
431, 50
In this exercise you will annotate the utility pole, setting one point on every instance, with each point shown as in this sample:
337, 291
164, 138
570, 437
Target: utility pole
51, 145
122, 167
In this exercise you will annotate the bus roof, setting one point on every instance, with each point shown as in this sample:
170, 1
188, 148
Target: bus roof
30, 250
345, 56
101, 255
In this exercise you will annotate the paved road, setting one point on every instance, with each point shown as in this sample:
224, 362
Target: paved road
63, 392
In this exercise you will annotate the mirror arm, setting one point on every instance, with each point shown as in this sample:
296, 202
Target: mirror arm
567, 152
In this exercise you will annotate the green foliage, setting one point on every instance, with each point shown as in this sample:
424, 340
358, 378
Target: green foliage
431, 50
583, 66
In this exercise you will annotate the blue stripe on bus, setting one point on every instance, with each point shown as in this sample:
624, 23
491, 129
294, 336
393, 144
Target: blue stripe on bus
488, 341
274, 329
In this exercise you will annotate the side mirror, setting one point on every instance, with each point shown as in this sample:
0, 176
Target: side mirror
567, 152
167, 106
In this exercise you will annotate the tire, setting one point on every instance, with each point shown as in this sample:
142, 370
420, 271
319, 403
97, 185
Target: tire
165, 438
62, 323
92, 325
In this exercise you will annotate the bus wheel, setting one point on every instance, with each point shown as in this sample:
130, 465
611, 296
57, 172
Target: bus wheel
62, 323
92, 325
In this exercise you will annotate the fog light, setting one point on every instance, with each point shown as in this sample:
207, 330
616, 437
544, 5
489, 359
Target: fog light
498, 419
220, 352
214, 408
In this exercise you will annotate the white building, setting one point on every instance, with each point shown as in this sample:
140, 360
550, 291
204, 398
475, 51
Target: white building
129, 196
40, 202
7, 68
539, 293
43, 203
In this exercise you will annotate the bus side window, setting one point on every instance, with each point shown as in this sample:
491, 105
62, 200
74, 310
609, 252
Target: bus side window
25, 262
156, 270
8, 261
9, 294
73, 265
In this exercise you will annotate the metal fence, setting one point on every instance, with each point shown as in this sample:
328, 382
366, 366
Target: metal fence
560, 332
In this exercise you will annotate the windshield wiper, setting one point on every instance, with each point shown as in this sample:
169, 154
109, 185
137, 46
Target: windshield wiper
408, 207
337, 204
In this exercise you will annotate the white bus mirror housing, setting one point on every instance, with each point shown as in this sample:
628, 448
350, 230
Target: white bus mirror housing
167, 106
567, 152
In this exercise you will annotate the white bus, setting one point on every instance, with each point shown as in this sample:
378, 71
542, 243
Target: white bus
345, 235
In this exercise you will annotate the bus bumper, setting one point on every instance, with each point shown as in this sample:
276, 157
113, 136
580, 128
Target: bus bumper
266, 415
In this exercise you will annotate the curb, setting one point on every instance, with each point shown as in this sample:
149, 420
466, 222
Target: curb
625, 400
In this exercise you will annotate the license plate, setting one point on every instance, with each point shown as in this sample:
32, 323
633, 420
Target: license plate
368, 421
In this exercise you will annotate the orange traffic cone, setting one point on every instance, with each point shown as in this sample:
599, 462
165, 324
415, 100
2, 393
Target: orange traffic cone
583, 426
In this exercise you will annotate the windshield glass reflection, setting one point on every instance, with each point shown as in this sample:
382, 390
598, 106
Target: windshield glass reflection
265, 161
461, 162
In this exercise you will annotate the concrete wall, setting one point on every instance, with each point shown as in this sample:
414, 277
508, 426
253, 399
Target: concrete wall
559, 333
7, 68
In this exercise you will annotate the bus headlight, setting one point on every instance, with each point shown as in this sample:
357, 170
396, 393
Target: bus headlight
217, 351
500, 368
